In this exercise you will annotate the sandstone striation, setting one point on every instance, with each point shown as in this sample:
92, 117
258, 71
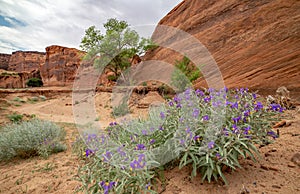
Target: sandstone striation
254, 43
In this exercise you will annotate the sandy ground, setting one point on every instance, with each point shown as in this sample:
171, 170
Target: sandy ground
273, 173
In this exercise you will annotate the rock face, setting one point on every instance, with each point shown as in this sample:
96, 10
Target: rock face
60, 65
4, 61
14, 79
254, 43
28, 61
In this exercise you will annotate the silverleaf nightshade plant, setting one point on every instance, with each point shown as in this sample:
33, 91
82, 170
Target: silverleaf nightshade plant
208, 130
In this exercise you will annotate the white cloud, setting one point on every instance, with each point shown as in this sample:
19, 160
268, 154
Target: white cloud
63, 22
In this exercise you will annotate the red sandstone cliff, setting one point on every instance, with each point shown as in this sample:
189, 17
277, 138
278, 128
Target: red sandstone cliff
28, 61
255, 43
60, 65
4, 61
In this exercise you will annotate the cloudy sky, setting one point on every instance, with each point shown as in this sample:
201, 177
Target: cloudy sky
35, 24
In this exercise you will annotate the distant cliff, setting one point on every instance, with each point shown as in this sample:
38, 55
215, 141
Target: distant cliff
56, 67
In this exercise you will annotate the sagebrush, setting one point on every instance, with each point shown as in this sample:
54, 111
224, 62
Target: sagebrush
31, 138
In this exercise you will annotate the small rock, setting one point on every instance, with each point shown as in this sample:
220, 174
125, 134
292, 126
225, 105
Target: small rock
276, 186
244, 190
291, 165
269, 168
279, 124
296, 159
288, 123
262, 185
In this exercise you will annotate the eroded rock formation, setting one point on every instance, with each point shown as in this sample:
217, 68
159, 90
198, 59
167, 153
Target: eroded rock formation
4, 61
27, 61
10, 79
255, 43
60, 65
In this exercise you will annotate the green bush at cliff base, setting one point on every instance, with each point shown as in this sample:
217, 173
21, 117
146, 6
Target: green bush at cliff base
34, 82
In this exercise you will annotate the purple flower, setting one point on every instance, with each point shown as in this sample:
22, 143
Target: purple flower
140, 147
107, 156
258, 106
113, 123
161, 128
205, 117
187, 91
138, 163
182, 141
177, 99
246, 130
187, 130
235, 129
276, 107
88, 152
216, 104
171, 103
207, 99
197, 138
107, 186
196, 112
272, 134
234, 105
236, 119
218, 156
211, 145
189, 133
144, 132
148, 186
225, 131
254, 96
91, 137
178, 105
246, 113
152, 141
199, 92
162, 115
210, 90
121, 152
181, 119
226, 89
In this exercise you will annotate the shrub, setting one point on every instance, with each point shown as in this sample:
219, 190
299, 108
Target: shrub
34, 82
184, 74
121, 109
15, 118
30, 138
18, 99
208, 130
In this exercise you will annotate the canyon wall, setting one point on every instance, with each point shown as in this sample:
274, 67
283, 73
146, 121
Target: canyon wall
254, 43
4, 61
28, 61
60, 65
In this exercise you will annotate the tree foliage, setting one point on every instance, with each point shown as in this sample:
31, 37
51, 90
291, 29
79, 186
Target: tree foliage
185, 73
116, 47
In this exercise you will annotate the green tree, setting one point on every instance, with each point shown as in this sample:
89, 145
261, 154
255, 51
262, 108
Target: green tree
184, 74
116, 47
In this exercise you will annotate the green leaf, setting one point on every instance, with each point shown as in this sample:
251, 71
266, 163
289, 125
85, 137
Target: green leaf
222, 175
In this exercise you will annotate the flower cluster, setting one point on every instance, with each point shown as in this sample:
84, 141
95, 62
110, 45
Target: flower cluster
209, 129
